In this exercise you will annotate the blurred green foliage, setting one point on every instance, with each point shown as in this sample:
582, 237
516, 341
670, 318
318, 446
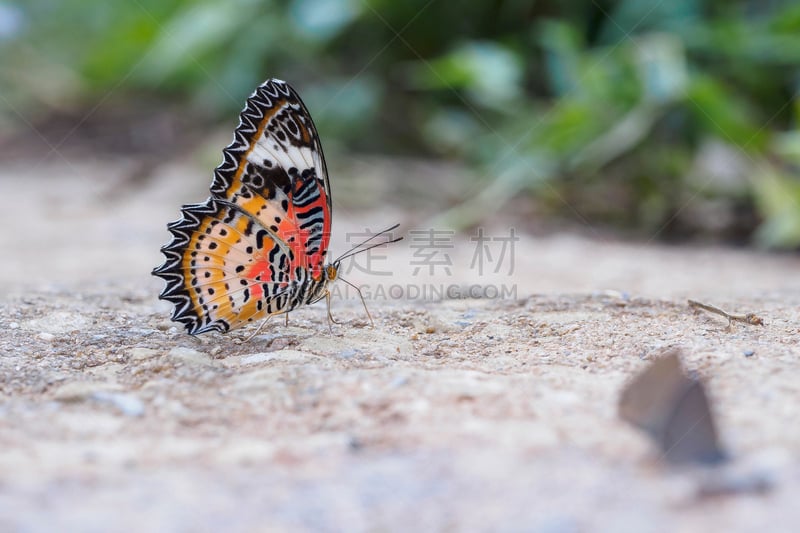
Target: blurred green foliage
632, 112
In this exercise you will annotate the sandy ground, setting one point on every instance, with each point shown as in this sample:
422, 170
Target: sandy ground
451, 414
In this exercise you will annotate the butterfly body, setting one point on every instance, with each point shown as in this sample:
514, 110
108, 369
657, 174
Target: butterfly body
257, 246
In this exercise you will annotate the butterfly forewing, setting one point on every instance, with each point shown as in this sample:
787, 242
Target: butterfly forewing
245, 252
275, 171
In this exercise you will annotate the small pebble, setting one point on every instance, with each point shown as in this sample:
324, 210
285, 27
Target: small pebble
347, 354
140, 354
13, 325
749, 353
256, 358
354, 444
728, 483
398, 381
44, 336
127, 403
189, 356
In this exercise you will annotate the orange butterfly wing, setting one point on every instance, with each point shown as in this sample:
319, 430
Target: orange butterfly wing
244, 253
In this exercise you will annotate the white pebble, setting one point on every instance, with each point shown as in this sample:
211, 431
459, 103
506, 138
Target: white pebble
127, 403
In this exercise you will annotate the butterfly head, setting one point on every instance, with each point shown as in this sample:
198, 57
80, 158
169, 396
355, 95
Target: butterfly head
332, 270
328, 272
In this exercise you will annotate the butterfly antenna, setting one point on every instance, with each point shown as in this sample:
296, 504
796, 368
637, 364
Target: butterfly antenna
358, 247
351, 253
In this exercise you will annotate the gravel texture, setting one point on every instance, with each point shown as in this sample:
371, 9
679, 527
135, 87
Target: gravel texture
450, 414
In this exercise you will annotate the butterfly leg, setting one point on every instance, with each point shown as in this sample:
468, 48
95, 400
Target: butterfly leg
260, 327
287, 319
363, 302
331, 320
330, 316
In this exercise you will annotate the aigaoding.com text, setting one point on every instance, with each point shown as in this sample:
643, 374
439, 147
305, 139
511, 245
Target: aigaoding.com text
426, 291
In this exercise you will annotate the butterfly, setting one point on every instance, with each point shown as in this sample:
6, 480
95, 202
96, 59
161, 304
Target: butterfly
674, 410
257, 246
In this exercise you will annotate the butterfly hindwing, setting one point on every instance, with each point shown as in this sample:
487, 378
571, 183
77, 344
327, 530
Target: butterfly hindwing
223, 269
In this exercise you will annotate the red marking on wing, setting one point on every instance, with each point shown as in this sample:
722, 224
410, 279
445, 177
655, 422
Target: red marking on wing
319, 257
290, 227
259, 268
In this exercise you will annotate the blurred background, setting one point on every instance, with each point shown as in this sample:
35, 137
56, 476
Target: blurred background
648, 119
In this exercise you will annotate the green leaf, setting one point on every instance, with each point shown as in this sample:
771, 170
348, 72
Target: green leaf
489, 72
723, 114
320, 20
778, 198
